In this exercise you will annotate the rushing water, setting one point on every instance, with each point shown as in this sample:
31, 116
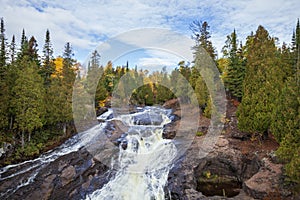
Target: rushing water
28, 170
143, 161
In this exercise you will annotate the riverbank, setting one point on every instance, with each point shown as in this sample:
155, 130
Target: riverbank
239, 167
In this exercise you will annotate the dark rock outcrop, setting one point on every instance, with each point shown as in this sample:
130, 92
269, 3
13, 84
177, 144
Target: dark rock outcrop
70, 177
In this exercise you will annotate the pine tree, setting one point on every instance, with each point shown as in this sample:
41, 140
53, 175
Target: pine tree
12, 50
67, 81
95, 85
24, 46
48, 66
3, 55
32, 51
3, 78
261, 86
235, 72
202, 37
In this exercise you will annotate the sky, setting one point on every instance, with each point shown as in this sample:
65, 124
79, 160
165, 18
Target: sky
90, 24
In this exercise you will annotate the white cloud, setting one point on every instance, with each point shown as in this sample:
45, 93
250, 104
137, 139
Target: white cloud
156, 59
87, 23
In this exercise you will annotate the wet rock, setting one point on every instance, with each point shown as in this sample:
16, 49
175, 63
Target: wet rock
169, 134
101, 110
147, 119
169, 131
67, 175
174, 118
124, 144
46, 187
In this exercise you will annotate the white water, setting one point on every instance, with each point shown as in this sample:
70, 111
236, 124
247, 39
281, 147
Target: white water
142, 168
30, 169
144, 165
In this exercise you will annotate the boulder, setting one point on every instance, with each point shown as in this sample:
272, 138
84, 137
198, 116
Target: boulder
266, 182
171, 104
67, 175
147, 119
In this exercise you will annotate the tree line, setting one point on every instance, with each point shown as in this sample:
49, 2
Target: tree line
36, 98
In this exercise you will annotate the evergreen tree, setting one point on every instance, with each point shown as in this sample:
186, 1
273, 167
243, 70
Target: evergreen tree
32, 51
286, 128
3, 78
235, 71
95, 84
12, 50
201, 92
60, 92
201, 35
68, 78
3, 55
163, 92
262, 82
28, 99
296, 50
24, 46
48, 66
286, 116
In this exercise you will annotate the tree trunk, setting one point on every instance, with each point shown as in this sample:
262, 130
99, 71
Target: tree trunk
22, 139
11, 123
65, 129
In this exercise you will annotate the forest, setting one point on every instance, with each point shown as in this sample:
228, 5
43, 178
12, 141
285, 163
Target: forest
261, 76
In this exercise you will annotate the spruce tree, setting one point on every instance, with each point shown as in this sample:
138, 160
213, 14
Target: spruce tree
48, 66
32, 51
67, 82
201, 35
3, 55
3, 78
235, 71
12, 50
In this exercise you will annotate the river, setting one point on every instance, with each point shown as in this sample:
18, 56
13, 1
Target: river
138, 170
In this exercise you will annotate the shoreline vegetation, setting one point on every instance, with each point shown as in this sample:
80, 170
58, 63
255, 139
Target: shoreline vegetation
260, 78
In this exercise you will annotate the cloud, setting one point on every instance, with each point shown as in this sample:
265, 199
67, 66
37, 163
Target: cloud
85, 24
157, 59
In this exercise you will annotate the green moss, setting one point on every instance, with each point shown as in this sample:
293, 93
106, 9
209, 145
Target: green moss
199, 133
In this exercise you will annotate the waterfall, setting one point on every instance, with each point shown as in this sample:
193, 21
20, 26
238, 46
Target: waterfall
144, 160
141, 164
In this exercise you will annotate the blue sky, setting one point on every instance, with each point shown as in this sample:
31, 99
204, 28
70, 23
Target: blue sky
86, 24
